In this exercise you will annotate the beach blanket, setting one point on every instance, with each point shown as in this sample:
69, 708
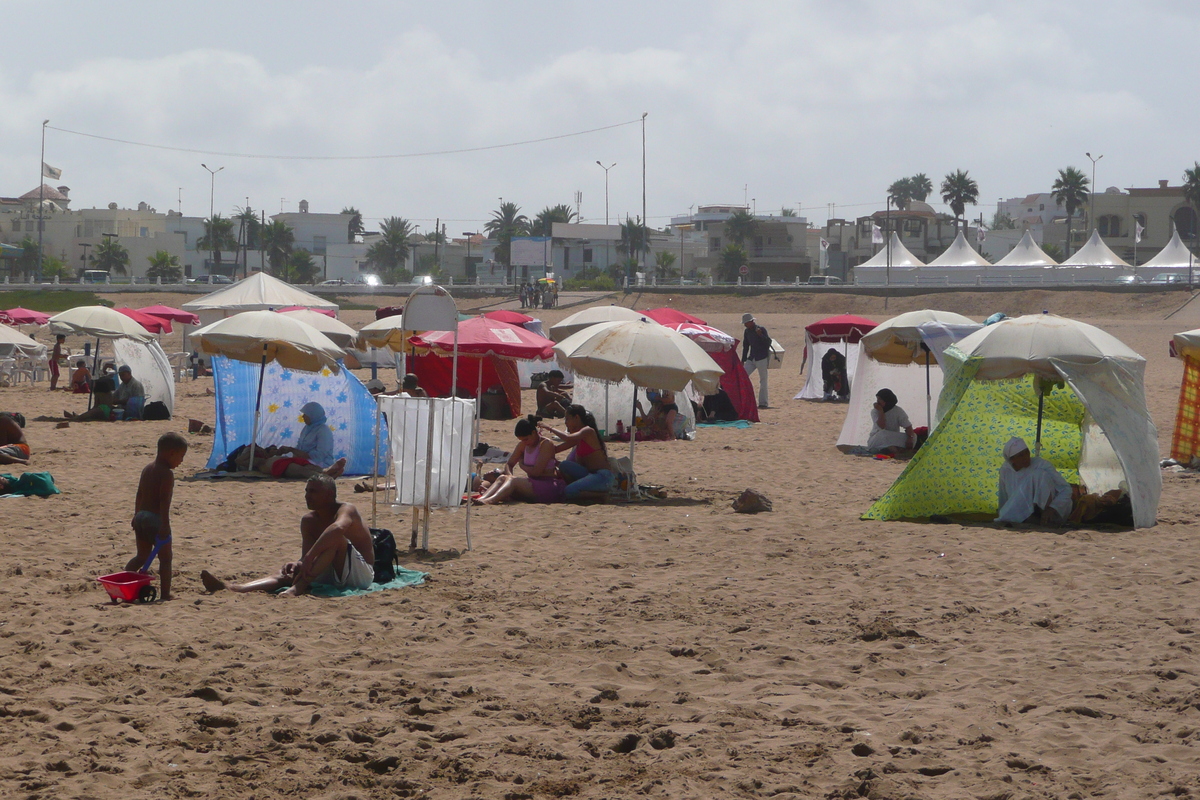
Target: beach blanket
30, 483
737, 423
404, 577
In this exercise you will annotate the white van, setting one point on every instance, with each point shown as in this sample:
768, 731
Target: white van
93, 276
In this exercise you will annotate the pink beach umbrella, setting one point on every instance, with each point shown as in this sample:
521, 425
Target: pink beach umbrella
26, 316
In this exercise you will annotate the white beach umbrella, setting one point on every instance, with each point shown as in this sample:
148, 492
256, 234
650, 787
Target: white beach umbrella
338, 332
645, 353
13, 342
386, 332
592, 316
261, 336
98, 322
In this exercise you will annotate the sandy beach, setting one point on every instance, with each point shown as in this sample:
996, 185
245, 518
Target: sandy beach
665, 649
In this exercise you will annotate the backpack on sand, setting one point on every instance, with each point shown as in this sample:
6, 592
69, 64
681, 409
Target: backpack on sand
384, 545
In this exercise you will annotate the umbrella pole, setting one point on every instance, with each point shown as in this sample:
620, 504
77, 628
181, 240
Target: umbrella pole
375, 468
262, 371
95, 372
633, 436
928, 395
478, 408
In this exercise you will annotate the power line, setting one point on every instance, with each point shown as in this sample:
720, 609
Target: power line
344, 158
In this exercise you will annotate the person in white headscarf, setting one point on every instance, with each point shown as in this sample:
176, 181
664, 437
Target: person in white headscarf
1031, 489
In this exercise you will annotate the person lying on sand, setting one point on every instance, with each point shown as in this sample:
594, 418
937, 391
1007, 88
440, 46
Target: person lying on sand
281, 462
13, 447
335, 549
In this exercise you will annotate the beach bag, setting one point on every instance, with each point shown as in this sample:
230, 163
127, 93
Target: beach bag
156, 410
385, 555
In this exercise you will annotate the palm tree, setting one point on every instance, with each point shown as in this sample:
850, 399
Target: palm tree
166, 266
740, 226
506, 222
354, 228
390, 252
249, 228
1070, 190
959, 190
664, 261
1191, 193
218, 236
634, 236
733, 258
543, 223
277, 240
110, 256
921, 187
901, 192
788, 212
301, 268
27, 262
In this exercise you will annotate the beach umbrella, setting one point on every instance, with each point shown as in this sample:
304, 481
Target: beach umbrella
150, 322
98, 322
26, 316
644, 352
591, 316
328, 312
13, 342
710, 339
899, 341
1013, 348
671, 316
338, 332
384, 332
173, 314
509, 316
842, 328
262, 336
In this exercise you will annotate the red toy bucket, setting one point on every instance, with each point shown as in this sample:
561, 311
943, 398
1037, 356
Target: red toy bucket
129, 586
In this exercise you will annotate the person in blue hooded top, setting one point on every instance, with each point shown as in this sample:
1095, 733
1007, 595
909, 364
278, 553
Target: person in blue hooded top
312, 454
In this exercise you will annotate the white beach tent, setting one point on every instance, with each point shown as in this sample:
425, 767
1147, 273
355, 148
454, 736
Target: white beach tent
1174, 257
875, 269
1026, 255
1095, 260
959, 256
259, 292
886, 361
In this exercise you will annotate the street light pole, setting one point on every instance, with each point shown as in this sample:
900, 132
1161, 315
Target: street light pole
212, 186
606, 169
1092, 204
41, 198
645, 222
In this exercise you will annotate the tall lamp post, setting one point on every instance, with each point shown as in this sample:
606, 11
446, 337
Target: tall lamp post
212, 186
608, 242
41, 198
467, 264
1092, 204
645, 222
83, 258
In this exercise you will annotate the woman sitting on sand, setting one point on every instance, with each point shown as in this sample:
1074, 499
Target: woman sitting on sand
891, 430
313, 452
535, 454
586, 469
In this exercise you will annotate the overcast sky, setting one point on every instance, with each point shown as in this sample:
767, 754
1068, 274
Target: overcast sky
803, 102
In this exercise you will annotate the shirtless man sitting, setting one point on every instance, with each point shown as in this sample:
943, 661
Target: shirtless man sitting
13, 447
335, 548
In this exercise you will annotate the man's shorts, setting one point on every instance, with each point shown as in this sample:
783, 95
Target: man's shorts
18, 450
355, 573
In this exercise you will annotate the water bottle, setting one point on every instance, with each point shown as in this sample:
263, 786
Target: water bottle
620, 428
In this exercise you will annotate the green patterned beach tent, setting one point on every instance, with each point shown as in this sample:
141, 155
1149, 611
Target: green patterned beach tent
1095, 427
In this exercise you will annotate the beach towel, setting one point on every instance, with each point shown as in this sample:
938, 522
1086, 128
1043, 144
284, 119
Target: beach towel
737, 423
404, 577
30, 483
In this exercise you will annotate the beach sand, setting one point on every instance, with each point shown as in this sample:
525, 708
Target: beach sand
667, 649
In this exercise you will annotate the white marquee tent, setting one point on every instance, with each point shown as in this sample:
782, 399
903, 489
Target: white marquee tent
1175, 256
1094, 260
959, 255
1026, 255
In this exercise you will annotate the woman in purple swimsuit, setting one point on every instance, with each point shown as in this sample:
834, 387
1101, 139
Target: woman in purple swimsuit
535, 454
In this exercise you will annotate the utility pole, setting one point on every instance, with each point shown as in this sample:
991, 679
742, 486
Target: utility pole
41, 199
645, 222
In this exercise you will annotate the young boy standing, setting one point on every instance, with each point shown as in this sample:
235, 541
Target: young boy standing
152, 508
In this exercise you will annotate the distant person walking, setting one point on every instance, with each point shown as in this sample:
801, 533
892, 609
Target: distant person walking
756, 354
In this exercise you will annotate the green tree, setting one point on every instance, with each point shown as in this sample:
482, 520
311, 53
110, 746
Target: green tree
278, 240
733, 258
741, 226
166, 266
664, 262
901, 192
301, 268
506, 222
788, 212
54, 267
921, 186
1070, 190
26, 263
590, 279
1054, 251
390, 252
543, 223
109, 256
1191, 192
959, 190
218, 236
1002, 221
354, 228
249, 228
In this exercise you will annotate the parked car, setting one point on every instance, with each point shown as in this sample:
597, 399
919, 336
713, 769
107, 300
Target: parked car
1168, 277
333, 282
1130, 279
824, 280
214, 279
369, 279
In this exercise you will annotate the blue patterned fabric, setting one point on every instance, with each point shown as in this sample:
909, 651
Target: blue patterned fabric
349, 411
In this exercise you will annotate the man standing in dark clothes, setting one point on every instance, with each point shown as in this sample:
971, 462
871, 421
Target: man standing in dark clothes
756, 353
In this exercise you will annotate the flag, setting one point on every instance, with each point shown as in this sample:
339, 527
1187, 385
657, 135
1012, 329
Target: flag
1138, 230
876, 234
980, 235
824, 245
53, 173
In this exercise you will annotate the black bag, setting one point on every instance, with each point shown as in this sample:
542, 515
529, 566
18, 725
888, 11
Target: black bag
156, 410
385, 554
